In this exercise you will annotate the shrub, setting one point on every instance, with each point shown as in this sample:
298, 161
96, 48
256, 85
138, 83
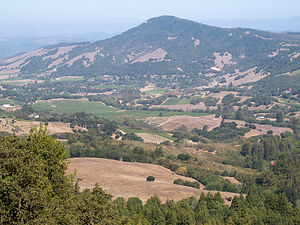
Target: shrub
183, 157
181, 170
150, 178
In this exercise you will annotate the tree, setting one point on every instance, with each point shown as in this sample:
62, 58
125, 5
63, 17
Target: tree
150, 178
279, 116
153, 211
33, 184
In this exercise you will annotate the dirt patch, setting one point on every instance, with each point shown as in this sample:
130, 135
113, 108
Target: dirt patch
89, 55
273, 54
222, 60
190, 122
158, 55
294, 56
246, 77
60, 51
128, 179
147, 88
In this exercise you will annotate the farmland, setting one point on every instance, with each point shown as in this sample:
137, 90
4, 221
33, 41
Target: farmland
102, 110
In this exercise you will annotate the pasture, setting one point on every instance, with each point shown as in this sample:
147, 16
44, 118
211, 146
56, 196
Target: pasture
102, 110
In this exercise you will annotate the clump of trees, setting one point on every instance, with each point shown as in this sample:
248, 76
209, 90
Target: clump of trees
187, 183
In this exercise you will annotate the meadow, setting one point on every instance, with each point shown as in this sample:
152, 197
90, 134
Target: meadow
102, 110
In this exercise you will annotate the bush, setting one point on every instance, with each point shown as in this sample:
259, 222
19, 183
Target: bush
126, 158
183, 157
150, 178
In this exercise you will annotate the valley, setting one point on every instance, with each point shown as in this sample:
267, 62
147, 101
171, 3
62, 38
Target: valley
170, 98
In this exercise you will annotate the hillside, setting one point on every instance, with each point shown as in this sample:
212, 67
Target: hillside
128, 179
166, 45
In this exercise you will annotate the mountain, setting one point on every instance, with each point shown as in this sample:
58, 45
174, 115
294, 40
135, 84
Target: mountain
168, 46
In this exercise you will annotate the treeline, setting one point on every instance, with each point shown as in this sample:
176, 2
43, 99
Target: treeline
35, 190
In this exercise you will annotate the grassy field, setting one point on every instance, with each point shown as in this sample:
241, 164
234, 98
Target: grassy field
295, 73
137, 131
156, 91
102, 110
71, 106
172, 101
64, 79
128, 179
5, 101
177, 101
184, 101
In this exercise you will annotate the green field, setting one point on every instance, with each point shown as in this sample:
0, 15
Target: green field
184, 101
172, 101
71, 106
156, 91
4, 101
295, 73
102, 110
136, 131
177, 101
65, 79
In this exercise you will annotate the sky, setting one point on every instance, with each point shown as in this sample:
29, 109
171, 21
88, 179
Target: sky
119, 15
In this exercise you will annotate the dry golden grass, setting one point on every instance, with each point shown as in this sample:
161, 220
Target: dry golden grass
128, 179
23, 127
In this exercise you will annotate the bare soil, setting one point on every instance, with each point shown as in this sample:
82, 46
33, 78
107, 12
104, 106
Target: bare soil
128, 179
158, 54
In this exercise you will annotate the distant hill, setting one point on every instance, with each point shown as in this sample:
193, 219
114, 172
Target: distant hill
16, 44
169, 46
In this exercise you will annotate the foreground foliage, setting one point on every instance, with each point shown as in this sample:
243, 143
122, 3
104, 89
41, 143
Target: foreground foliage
35, 190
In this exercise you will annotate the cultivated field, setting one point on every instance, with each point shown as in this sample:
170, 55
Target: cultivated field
101, 110
174, 122
128, 179
152, 138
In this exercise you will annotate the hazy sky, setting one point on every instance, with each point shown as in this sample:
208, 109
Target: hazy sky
116, 15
